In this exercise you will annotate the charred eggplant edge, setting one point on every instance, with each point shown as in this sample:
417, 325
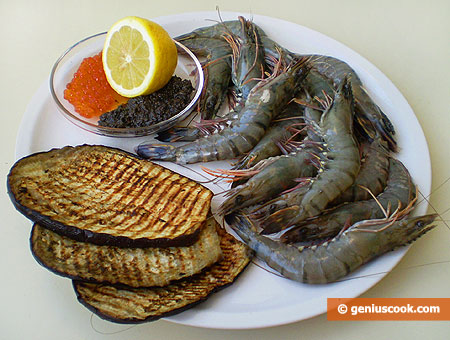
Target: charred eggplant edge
154, 317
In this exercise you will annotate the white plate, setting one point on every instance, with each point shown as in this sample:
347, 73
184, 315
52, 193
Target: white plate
257, 299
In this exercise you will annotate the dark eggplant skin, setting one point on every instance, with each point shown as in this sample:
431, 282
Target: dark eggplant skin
103, 239
107, 317
97, 238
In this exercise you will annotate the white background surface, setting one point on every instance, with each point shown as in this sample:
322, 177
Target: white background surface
407, 41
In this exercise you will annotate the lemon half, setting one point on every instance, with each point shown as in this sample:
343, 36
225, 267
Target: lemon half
139, 57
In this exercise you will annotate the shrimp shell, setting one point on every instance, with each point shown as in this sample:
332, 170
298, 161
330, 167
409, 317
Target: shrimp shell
264, 103
334, 259
248, 62
276, 135
399, 193
338, 173
277, 176
372, 177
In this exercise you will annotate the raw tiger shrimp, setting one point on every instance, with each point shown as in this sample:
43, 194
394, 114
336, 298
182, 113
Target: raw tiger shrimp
248, 62
284, 129
326, 75
311, 147
263, 104
338, 172
217, 71
317, 87
217, 31
370, 117
259, 212
199, 129
338, 257
291, 197
244, 70
400, 192
240, 41
205, 47
372, 177
273, 176
312, 112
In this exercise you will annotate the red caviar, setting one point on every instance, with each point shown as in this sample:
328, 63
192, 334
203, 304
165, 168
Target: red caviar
89, 91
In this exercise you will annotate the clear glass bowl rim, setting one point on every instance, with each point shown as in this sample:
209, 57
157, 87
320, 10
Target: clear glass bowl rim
124, 132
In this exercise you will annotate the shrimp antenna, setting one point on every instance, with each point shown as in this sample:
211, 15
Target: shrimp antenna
218, 14
207, 180
432, 206
230, 175
385, 213
305, 103
267, 270
385, 272
396, 215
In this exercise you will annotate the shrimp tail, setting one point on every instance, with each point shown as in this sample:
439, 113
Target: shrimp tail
179, 134
279, 220
156, 151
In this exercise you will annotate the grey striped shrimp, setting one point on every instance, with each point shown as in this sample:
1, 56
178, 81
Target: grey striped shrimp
248, 64
263, 104
338, 172
274, 175
372, 177
334, 259
400, 192
368, 114
281, 131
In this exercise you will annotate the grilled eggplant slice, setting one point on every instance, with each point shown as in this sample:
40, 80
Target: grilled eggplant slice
106, 196
134, 267
137, 305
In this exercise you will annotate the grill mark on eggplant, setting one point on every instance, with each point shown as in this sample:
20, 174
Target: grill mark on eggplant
112, 184
164, 201
95, 225
156, 216
107, 264
167, 222
176, 219
148, 196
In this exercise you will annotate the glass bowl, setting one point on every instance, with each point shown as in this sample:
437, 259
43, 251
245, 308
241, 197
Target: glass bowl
188, 67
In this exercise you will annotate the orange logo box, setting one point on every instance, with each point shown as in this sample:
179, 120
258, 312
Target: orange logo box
387, 309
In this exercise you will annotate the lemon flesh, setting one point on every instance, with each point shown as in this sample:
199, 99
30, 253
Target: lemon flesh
139, 57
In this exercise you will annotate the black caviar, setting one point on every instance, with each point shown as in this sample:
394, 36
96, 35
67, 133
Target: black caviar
153, 108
